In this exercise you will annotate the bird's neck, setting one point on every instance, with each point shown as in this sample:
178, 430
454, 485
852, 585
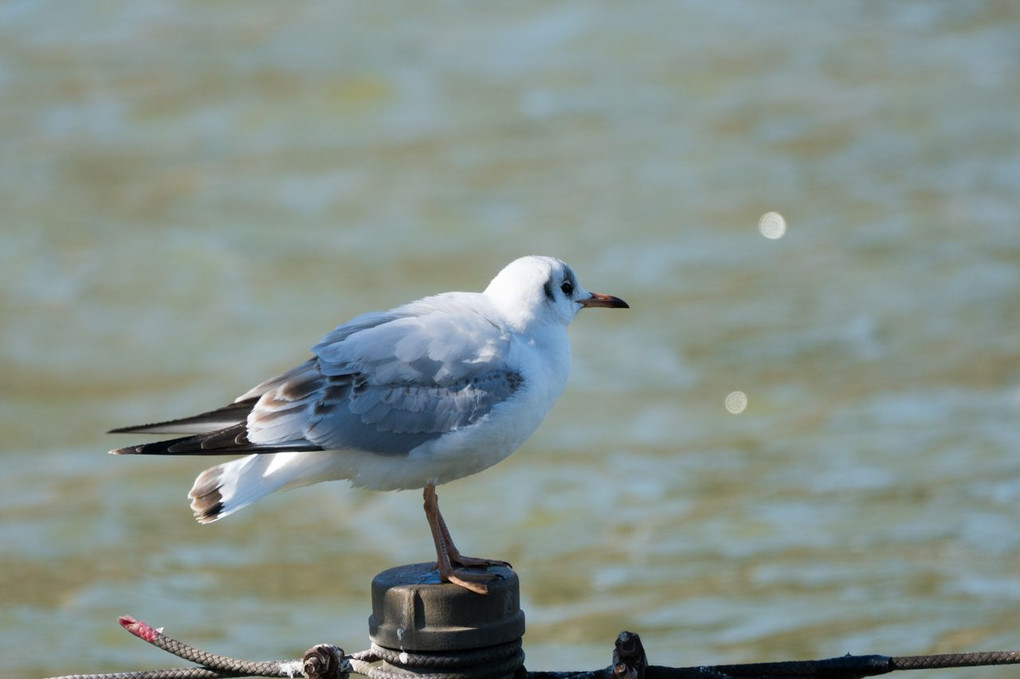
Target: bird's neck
552, 346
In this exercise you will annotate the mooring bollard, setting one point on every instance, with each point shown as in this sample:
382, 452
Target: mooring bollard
420, 625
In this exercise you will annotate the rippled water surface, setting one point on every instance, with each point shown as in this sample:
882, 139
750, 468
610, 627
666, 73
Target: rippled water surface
192, 194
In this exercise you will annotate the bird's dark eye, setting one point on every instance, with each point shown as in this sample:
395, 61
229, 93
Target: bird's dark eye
567, 287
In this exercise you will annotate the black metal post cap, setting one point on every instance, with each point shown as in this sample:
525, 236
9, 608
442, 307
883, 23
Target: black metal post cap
413, 611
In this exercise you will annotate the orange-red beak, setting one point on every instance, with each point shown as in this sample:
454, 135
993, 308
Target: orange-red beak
597, 299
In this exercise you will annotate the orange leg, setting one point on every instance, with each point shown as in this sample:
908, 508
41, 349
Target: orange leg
447, 554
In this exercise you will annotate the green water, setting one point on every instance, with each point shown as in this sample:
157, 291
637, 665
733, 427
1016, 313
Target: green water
192, 194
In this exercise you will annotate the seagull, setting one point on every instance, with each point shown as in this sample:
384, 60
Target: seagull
422, 394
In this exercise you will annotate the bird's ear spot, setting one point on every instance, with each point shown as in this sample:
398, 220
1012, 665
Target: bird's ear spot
548, 290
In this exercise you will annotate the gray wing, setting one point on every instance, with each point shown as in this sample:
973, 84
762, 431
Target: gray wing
386, 383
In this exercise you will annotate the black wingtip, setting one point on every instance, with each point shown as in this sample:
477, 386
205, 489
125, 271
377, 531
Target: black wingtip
139, 428
191, 446
144, 428
207, 422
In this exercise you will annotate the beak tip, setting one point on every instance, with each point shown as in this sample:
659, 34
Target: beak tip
597, 299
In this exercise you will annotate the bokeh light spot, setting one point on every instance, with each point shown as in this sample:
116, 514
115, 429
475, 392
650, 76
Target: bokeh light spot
736, 402
772, 225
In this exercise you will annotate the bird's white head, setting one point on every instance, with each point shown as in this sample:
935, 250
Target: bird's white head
538, 289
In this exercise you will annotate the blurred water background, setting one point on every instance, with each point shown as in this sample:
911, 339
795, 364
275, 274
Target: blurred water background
191, 194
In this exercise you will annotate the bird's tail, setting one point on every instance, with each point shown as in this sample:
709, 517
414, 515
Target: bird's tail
222, 490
